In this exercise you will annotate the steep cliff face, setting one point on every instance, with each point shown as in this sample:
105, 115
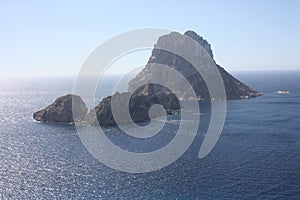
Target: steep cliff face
233, 87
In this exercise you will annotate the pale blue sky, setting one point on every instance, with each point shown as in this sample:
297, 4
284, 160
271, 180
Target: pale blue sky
55, 37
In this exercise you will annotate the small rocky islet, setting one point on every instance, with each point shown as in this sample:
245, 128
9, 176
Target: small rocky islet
143, 98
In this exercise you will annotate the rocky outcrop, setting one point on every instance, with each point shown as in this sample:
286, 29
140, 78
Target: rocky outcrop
138, 105
61, 110
233, 87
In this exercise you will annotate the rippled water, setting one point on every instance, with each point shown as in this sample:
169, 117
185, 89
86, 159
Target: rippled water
257, 156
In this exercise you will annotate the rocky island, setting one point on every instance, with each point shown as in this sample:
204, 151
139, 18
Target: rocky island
144, 97
61, 110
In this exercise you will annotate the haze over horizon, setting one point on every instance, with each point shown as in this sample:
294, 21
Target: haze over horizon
55, 38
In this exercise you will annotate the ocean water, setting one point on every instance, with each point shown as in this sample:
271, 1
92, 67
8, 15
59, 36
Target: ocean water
256, 157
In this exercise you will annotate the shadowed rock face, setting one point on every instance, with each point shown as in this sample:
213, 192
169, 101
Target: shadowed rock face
139, 105
233, 87
61, 110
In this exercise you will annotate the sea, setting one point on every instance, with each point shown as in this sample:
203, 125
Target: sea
256, 157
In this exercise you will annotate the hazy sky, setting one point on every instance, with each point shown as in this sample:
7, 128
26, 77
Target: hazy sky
55, 37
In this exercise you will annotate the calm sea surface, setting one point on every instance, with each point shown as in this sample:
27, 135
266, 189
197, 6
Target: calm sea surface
257, 156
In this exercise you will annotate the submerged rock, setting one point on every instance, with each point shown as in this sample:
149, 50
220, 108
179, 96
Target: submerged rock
61, 110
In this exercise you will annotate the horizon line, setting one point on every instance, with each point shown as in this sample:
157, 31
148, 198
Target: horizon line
121, 74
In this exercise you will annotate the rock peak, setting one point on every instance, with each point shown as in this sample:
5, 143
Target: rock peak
204, 43
234, 88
